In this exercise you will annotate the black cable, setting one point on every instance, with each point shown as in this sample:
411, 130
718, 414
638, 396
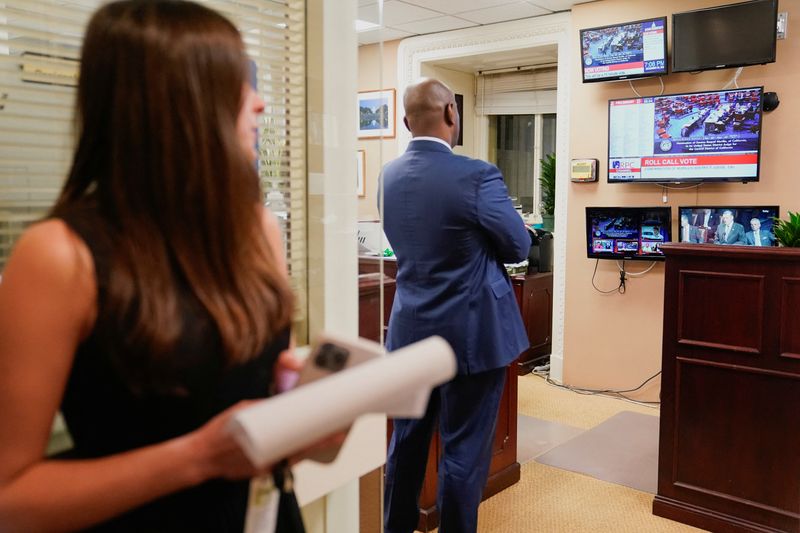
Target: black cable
605, 392
620, 288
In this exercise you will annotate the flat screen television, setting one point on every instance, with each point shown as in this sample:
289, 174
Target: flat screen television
690, 137
726, 36
624, 51
749, 225
627, 232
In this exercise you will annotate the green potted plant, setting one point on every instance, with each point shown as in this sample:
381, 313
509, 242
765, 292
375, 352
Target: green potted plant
547, 181
787, 232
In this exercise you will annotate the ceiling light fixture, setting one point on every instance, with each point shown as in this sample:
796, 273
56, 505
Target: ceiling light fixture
365, 25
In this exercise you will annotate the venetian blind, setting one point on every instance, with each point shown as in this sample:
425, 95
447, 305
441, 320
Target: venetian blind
531, 79
525, 91
40, 44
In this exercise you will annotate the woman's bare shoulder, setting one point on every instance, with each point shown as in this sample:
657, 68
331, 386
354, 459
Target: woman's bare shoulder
50, 257
51, 247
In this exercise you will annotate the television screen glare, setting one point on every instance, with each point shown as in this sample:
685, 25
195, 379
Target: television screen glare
703, 136
627, 232
741, 225
624, 51
726, 36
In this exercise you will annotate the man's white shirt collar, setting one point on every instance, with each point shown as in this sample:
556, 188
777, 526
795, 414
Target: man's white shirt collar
434, 139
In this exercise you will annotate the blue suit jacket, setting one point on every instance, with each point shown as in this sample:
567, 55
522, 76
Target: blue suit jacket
452, 226
736, 235
766, 238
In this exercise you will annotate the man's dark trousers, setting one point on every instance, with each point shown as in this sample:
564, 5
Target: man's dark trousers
466, 408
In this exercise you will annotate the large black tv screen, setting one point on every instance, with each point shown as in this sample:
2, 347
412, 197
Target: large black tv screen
726, 36
704, 136
624, 51
627, 232
743, 225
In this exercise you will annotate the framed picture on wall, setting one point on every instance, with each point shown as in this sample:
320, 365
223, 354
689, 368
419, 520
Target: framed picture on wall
361, 170
376, 111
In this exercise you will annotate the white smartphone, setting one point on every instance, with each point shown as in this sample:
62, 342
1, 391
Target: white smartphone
332, 353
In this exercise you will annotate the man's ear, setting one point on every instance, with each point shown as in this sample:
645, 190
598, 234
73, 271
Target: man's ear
405, 121
449, 114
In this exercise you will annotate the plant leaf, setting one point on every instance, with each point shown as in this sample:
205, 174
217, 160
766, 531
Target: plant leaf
787, 232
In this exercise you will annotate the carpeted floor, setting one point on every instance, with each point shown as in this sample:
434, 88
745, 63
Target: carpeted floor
540, 400
552, 500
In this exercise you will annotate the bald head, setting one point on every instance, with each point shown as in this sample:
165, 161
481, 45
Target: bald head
430, 108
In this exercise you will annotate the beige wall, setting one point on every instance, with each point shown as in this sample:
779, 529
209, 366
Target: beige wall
376, 151
614, 341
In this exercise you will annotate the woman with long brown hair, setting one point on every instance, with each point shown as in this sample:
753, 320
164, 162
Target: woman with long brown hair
154, 299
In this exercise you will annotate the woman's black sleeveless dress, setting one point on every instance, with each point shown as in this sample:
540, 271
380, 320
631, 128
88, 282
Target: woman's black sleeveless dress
106, 416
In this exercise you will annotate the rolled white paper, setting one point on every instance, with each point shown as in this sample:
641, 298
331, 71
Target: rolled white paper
398, 384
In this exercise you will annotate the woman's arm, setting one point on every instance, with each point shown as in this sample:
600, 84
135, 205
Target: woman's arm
47, 306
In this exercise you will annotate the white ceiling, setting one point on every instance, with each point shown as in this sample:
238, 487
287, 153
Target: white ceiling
540, 55
405, 18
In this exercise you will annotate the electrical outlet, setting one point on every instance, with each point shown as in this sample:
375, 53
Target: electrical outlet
783, 24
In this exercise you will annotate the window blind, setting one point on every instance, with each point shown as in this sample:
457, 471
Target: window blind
40, 44
531, 79
527, 91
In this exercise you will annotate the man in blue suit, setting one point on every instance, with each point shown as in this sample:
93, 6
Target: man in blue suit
728, 231
452, 226
758, 236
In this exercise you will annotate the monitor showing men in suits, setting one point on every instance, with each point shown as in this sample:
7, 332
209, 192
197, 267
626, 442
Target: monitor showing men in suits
738, 225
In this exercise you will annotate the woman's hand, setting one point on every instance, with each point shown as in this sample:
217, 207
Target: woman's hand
287, 368
218, 453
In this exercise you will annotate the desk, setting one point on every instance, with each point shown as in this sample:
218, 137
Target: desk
369, 326
370, 263
534, 294
369, 286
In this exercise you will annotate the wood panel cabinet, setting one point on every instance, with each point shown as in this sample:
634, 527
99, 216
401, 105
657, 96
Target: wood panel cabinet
535, 299
369, 326
368, 264
369, 304
730, 390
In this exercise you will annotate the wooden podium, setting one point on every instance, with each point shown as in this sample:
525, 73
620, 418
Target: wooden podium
729, 445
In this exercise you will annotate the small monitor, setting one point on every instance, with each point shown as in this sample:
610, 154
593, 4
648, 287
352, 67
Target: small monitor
627, 232
690, 137
726, 36
749, 225
624, 51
